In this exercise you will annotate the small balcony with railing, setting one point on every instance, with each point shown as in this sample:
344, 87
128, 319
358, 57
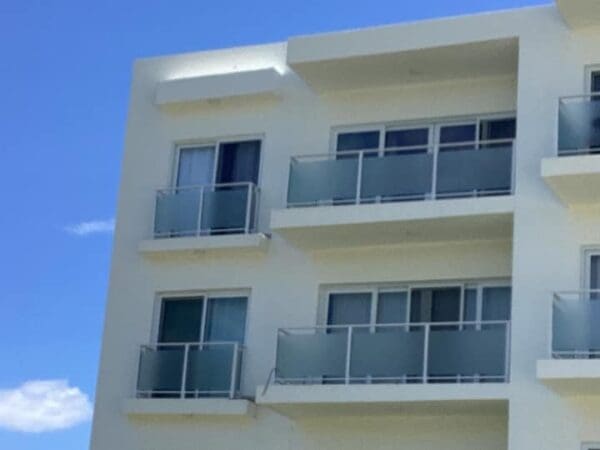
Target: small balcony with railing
202, 218
386, 366
574, 173
189, 379
451, 191
573, 365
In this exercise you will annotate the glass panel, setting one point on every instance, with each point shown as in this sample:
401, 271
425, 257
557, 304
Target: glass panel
224, 209
470, 306
177, 213
239, 162
467, 352
311, 356
578, 125
397, 175
414, 137
196, 165
391, 307
160, 370
494, 129
209, 370
452, 134
363, 140
180, 320
322, 181
496, 303
594, 281
435, 305
349, 309
575, 326
595, 82
469, 171
226, 319
395, 353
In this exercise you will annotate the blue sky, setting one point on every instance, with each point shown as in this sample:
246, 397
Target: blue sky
65, 68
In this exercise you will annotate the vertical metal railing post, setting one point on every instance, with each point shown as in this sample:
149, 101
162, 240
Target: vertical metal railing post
359, 175
426, 352
555, 298
348, 351
248, 207
184, 371
200, 208
234, 371
507, 352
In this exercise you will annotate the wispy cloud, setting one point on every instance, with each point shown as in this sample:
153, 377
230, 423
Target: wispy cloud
91, 227
44, 405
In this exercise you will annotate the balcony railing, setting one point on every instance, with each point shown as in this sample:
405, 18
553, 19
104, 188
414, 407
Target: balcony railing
189, 370
575, 325
440, 352
466, 169
229, 208
579, 125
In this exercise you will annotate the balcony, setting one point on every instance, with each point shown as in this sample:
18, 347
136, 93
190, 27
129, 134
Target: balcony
203, 218
444, 364
574, 364
574, 174
189, 378
447, 192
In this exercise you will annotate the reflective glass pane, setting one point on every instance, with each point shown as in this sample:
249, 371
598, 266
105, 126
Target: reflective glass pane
209, 369
363, 140
160, 370
349, 309
496, 303
177, 213
225, 209
414, 137
453, 134
392, 307
579, 125
575, 326
180, 320
226, 319
239, 162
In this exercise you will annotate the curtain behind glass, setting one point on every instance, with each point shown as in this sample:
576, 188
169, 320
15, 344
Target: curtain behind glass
238, 162
226, 319
195, 166
180, 320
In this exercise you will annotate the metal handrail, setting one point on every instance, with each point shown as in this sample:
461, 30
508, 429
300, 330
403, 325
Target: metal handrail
287, 330
193, 187
183, 392
334, 155
578, 96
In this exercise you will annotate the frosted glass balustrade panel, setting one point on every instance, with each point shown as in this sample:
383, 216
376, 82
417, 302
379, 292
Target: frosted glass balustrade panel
160, 370
225, 209
579, 125
575, 327
468, 352
312, 182
474, 170
176, 212
210, 369
309, 356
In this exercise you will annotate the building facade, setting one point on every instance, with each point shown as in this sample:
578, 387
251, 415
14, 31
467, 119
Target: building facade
386, 238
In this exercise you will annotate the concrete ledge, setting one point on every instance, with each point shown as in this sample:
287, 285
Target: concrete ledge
570, 376
299, 400
211, 87
393, 223
188, 407
579, 13
256, 242
574, 179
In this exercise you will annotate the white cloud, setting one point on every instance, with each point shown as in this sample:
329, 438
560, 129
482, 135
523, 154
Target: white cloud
44, 405
91, 227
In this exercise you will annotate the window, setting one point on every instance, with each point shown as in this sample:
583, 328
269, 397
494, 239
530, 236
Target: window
594, 82
202, 319
219, 163
417, 304
591, 268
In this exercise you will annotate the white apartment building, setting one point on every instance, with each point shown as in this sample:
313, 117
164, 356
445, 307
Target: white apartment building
386, 238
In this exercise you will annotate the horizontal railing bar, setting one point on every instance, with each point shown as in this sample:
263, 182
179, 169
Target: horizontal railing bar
191, 344
397, 325
408, 378
407, 148
204, 186
579, 96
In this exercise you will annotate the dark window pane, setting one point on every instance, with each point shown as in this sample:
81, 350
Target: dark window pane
391, 307
364, 140
226, 319
238, 162
470, 307
595, 85
451, 134
407, 138
349, 309
445, 305
497, 129
496, 303
180, 320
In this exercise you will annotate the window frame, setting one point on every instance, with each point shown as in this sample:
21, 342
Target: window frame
434, 126
587, 79
587, 253
374, 289
216, 144
206, 296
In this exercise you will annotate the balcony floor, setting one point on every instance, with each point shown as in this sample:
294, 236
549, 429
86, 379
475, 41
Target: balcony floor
310, 400
188, 407
396, 223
